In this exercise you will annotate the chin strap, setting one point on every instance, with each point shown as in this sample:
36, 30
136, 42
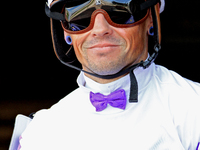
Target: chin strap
157, 35
133, 98
157, 47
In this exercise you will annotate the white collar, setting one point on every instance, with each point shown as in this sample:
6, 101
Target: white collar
143, 76
122, 83
108, 87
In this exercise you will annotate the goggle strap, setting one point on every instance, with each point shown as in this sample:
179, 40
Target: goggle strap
148, 4
54, 15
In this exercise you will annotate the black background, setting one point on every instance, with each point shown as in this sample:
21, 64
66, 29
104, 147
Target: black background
31, 77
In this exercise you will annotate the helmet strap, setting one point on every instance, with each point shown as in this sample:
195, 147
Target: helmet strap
156, 37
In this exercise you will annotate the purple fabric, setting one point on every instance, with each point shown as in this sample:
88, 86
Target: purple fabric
116, 99
198, 146
19, 146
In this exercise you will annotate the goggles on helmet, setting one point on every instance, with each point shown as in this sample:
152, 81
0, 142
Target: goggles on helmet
118, 13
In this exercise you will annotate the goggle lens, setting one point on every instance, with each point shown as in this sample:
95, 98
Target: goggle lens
119, 17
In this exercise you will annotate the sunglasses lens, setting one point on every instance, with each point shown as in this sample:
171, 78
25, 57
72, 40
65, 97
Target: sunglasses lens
121, 15
79, 22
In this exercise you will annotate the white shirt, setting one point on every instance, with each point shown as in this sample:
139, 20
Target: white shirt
166, 117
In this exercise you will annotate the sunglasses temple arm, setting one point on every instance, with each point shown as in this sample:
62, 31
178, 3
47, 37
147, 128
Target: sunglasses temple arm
54, 15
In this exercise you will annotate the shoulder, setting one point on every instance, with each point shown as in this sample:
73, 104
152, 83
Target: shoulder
63, 108
72, 102
49, 123
180, 95
173, 80
182, 100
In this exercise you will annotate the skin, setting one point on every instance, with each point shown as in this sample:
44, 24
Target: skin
106, 49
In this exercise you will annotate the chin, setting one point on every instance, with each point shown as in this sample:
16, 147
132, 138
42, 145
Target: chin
106, 70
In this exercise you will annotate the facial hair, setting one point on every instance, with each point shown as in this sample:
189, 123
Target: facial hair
106, 65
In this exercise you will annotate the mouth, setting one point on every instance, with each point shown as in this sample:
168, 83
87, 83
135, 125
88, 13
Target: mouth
103, 46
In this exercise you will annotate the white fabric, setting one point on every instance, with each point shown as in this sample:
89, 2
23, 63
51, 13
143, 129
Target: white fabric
21, 122
167, 116
162, 7
49, 2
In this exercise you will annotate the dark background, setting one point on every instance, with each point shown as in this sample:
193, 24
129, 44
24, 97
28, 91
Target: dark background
31, 77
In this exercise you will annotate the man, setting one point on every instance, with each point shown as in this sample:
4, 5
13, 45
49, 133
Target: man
124, 101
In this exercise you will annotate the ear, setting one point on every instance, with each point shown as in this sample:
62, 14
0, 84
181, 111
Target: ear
67, 38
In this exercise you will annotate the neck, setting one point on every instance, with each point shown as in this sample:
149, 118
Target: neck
103, 81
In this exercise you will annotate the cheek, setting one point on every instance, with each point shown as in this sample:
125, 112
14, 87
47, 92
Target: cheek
129, 35
78, 41
135, 38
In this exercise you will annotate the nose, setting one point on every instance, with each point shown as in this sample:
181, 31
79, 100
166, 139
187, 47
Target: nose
101, 26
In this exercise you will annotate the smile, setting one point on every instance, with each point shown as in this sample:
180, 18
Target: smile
103, 46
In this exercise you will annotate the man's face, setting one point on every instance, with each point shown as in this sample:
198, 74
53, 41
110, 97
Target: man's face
105, 49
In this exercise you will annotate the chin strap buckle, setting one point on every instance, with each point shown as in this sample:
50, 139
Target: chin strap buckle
147, 63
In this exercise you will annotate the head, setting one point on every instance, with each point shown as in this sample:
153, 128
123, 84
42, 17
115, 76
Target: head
105, 49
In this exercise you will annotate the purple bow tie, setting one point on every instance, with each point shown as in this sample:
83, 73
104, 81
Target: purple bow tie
116, 99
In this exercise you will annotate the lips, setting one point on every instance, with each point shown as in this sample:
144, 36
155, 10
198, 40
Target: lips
103, 46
